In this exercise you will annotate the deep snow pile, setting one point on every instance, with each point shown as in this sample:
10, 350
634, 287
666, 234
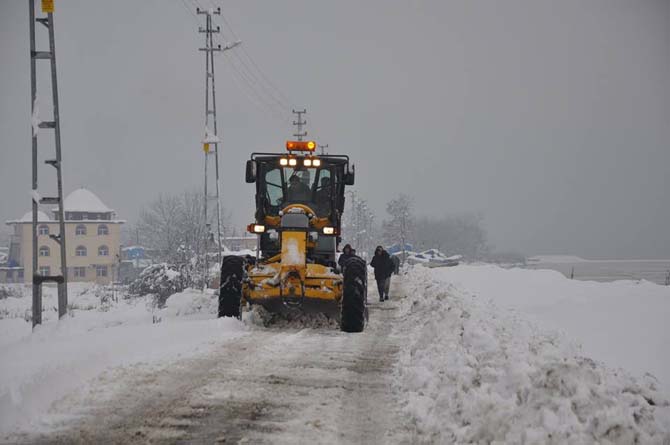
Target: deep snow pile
622, 323
103, 330
475, 373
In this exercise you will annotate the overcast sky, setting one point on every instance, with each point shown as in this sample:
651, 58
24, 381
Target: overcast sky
550, 118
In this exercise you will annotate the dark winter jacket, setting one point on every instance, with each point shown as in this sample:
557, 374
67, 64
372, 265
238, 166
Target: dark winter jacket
383, 265
347, 253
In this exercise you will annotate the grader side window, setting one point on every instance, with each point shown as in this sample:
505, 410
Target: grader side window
274, 190
323, 192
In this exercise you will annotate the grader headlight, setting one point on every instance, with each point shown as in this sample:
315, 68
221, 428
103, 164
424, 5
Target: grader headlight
256, 228
329, 230
283, 162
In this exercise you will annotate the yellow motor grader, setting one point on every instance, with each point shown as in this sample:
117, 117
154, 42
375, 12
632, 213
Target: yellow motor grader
299, 204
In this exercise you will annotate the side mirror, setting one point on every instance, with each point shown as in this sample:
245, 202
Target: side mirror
350, 176
251, 171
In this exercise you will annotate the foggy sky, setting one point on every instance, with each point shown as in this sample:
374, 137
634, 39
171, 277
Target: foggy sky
551, 119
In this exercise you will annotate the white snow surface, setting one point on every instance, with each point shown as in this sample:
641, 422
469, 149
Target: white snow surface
84, 200
41, 217
35, 117
475, 373
41, 368
293, 255
623, 323
485, 355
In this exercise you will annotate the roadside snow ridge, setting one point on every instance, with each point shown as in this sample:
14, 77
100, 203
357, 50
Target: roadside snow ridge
475, 374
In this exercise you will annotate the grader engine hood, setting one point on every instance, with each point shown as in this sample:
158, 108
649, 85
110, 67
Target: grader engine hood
290, 277
295, 224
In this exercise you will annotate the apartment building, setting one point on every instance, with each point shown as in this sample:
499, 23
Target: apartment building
93, 235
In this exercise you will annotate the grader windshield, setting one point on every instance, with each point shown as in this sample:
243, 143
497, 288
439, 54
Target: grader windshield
320, 187
303, 185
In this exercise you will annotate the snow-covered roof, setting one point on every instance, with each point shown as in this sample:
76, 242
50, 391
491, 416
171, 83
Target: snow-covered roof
28, 217
41, 217
84, 200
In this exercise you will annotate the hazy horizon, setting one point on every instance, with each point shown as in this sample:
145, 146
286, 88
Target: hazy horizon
550, 119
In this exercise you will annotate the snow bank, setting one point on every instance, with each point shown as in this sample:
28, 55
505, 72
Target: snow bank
61, 357
475, 373
623, 323
556, 259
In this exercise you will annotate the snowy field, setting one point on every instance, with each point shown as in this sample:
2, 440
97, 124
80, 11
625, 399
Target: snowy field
476, 372
623, 323
101, 332
471, 354
656, 271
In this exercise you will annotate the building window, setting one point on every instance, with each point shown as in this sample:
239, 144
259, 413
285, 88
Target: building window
100, 271
103, 251
80, 251
45, 271
79, 272
20, 275
44, 251
43, 229
103, 229
80, 230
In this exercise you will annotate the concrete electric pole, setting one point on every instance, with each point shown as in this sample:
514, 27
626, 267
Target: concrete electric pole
299, 123
37, 124
211, 131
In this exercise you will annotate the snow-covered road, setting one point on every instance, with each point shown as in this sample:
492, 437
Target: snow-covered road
272, 385
445, 361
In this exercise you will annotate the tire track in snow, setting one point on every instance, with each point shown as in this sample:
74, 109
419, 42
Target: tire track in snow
271, 386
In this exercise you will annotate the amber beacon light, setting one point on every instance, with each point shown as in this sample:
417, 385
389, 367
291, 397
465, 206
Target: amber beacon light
300, 145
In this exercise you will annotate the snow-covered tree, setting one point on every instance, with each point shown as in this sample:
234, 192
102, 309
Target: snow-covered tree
399, 227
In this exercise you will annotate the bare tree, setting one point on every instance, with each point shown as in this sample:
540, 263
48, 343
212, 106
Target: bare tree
359, 225
174, 226
399, 227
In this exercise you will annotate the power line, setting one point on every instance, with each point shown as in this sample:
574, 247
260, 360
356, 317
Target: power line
248, 77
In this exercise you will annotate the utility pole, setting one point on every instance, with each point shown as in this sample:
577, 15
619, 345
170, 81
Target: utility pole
38, 279
211, 133
300, 123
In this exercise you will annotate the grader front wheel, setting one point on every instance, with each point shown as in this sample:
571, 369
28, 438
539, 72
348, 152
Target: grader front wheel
230, 292
353, 298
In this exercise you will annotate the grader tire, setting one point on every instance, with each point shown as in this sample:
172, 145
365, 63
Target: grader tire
353, 299
230, 292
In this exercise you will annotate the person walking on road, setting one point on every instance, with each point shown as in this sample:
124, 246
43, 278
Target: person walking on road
383, 266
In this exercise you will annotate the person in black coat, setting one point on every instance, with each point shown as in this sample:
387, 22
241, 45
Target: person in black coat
383, 266
347, 253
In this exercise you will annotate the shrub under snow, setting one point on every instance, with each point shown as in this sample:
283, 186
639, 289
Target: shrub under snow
161, 281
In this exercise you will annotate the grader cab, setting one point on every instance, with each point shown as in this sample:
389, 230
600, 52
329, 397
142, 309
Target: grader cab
299, 205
